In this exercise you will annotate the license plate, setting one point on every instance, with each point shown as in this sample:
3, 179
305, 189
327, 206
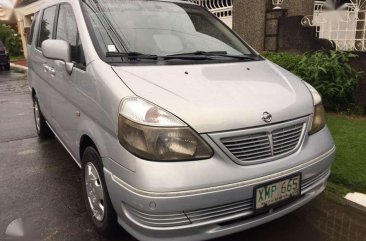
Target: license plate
277, 192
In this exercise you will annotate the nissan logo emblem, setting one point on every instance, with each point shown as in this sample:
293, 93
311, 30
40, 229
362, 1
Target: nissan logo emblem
267, 117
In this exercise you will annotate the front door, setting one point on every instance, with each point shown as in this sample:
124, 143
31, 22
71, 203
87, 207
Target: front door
39, 62
66, 95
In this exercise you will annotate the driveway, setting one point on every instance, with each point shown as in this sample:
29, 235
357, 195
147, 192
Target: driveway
40, 183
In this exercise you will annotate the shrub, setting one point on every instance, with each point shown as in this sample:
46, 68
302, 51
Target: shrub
288, 61
11, 39
329, 72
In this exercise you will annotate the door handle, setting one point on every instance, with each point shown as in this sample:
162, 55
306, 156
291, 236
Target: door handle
45, 67
52, 71
49, 69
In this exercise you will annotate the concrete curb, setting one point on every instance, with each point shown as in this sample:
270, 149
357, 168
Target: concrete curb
357, 200
18, 67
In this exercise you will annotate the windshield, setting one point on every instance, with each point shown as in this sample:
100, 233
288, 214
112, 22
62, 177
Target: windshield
159, 28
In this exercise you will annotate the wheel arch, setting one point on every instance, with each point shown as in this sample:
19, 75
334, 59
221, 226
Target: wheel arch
85, 142
34, 93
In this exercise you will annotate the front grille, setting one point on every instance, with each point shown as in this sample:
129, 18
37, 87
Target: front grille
265, 145
158, 220
222, 213
238, 210
251, 147
309, 182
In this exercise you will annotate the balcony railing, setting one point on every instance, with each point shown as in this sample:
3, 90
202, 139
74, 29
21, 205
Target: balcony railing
223, 9
346, 26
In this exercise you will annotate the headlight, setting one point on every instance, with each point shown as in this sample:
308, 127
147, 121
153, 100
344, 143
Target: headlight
319, 120
152, 133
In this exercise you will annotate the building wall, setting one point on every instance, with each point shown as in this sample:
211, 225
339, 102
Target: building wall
299, 7
249, 17
24, 17
249, 21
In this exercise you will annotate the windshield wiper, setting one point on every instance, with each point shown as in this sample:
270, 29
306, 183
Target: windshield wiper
198, 53
131, 55
243, 57
210, 55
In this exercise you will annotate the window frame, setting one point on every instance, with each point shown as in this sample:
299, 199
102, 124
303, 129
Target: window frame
34, 26
38, 44
57, 16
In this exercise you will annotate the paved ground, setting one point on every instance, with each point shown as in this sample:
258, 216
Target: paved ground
40, 183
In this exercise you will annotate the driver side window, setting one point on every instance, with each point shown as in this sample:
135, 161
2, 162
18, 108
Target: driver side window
67, 30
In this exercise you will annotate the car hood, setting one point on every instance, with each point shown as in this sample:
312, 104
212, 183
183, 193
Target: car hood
221, 97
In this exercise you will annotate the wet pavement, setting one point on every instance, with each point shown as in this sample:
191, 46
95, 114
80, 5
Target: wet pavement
40, 183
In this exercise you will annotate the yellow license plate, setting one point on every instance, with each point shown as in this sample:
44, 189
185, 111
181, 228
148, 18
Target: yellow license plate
278, 192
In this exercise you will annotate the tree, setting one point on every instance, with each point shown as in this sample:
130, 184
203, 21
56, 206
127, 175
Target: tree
11, 39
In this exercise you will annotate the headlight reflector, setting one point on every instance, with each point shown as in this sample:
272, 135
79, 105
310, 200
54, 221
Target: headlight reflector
145, 113
318, 119
152, 133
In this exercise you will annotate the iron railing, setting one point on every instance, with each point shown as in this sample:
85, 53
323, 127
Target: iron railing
346, 26
222, 9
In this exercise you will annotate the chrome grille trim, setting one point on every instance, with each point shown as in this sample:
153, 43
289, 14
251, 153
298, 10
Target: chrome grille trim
244, 208
309, 182
246, 147
257, 145
277, 142
158, 220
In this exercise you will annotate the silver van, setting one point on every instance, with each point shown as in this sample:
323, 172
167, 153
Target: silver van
181, 130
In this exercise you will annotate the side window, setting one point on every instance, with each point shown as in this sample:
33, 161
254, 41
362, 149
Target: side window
31, 34
47, 24
67, 30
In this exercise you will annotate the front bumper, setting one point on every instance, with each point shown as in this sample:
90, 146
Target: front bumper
207, 213
217, 228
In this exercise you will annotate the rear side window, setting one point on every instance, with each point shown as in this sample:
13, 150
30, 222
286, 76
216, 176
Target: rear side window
67, 30
31, 34
47, 25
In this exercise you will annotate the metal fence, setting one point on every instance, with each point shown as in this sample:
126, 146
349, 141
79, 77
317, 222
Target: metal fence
346, 26
223, 9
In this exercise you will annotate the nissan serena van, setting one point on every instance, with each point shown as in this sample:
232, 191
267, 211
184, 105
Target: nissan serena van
181, 130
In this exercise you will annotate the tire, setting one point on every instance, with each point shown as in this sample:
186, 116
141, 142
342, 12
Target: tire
96, 194
43, 130
7, 67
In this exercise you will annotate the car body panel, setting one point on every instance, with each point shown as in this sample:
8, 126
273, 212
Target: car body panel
219, 97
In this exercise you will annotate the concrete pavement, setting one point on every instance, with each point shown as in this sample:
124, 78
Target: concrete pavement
40, 183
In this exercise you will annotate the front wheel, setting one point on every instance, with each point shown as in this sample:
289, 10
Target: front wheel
42, 128
97, 200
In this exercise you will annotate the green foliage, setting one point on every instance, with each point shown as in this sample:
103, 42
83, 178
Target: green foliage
349, 168
329, 72
15, 58
288, 61
11, 39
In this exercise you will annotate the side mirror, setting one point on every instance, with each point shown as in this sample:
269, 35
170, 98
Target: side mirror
58, 50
